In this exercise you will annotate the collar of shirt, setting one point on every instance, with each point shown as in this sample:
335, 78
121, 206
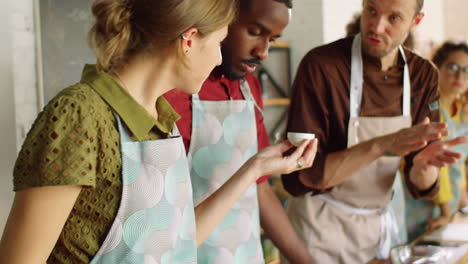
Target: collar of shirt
217, 76
138, 120
375, 62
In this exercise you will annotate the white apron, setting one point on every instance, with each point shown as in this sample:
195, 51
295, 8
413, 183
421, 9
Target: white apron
155, 223
353, 224
224, 137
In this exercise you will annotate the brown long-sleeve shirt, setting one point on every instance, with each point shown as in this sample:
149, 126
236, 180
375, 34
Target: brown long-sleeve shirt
320, 103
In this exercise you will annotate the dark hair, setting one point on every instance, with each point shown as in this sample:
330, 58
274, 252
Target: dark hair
444, 51
124, 28
288, 3
419, 5
354, 27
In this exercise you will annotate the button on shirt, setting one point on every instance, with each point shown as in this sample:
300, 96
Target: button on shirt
218, 88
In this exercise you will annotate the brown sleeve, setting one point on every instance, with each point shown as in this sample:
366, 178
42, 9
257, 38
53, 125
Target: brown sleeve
309, 113
426, 105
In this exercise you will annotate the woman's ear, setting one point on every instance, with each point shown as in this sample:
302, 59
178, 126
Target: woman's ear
187, 39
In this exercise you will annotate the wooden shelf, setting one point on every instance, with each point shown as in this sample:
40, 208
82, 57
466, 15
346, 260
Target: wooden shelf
276, 101
279, 44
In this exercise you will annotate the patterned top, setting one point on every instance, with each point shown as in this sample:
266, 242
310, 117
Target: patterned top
219, 88
75, 141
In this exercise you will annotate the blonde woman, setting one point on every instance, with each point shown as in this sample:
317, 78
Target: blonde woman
102, 176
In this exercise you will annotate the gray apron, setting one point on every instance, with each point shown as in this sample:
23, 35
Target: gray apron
155, 223
353, 224
224, 137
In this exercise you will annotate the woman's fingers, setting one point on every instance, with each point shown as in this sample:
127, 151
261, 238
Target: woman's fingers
304, 156
299, 150
309, 153
283, 146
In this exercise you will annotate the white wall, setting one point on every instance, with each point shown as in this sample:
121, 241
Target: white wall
456, 23
337, 14
7, 113
432, 27
305, 30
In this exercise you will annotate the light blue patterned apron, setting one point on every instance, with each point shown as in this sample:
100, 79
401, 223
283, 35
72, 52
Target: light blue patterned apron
155, 223
455, 130
224, 137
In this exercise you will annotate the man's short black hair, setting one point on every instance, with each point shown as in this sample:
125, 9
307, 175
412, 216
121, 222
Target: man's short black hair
288, 3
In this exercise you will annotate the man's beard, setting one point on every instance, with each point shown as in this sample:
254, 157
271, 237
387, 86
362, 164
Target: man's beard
229, 73
379, 53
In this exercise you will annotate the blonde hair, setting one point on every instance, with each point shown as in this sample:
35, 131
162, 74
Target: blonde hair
125, 28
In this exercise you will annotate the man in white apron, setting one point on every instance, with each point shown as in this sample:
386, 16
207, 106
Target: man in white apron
369, 102
222, 127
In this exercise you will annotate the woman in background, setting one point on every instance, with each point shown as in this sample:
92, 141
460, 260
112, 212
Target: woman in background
452, 62
102, 176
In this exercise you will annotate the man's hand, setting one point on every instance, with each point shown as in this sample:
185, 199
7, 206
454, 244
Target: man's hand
413, 138
438, 154
427, 163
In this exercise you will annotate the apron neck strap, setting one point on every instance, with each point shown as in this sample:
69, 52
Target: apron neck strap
123, 130
247, 93
357, 80
195, 97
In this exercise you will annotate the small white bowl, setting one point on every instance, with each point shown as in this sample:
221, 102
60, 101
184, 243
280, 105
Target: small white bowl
297, 138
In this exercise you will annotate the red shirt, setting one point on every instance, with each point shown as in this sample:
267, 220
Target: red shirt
218, 88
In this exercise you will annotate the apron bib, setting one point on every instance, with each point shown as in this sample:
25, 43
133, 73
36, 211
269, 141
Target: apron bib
155, 223
353, 223
455, 172
224, 137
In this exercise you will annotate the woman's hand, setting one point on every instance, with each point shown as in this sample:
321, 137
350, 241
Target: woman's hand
271, 160
434, 223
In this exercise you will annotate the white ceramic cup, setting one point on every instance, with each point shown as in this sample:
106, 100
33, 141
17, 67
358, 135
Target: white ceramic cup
297, 138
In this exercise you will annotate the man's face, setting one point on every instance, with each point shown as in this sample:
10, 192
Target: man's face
260, 23
385, 24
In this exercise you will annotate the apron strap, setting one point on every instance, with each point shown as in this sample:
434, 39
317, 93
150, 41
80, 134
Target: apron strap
406, 85
124, 137
247, 93
357, 73
174, 132
195, 97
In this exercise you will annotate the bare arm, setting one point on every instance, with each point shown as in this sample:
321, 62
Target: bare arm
270, 160
342, 164
278, 228
441, 220
35, 222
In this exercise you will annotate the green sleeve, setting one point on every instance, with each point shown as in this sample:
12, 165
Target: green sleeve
61, 147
